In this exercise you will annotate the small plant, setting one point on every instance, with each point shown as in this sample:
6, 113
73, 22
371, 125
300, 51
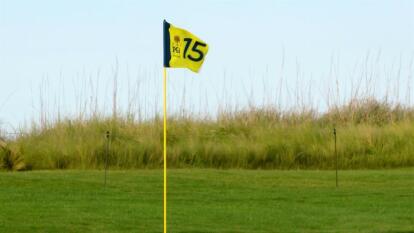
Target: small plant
9, 159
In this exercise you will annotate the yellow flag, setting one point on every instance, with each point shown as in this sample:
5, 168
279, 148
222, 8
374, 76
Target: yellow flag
182, 49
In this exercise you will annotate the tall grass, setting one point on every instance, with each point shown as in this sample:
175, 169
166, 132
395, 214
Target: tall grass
373, 131
373, 135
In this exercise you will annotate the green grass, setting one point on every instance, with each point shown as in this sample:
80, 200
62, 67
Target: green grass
205, 200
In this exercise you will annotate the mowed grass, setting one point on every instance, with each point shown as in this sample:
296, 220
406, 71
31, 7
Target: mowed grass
204, 200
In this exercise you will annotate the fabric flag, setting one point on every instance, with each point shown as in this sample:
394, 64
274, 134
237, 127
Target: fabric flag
182, 49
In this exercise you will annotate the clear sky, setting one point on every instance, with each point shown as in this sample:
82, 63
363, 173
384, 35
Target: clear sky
54, 47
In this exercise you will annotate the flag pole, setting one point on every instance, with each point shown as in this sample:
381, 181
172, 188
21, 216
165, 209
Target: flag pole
165, 149
336, 159
106, 155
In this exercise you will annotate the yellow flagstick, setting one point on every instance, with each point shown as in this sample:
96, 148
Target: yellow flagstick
165, 150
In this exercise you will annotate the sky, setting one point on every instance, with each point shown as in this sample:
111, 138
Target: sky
57, 56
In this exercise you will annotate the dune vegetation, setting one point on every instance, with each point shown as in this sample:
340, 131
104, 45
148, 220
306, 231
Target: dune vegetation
371, 111
370, 134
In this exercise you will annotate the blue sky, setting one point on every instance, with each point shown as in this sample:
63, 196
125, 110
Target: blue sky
54, 46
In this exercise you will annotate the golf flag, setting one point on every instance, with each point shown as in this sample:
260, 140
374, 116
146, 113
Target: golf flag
182, 49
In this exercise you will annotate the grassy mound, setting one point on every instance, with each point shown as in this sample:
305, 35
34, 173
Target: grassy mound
371, 134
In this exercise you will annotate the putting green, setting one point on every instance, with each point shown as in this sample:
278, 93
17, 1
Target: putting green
202, 200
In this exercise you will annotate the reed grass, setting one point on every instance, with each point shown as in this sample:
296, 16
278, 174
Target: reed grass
371, 134
286, 131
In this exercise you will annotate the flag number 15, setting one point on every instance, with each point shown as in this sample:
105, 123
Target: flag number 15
194, 49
